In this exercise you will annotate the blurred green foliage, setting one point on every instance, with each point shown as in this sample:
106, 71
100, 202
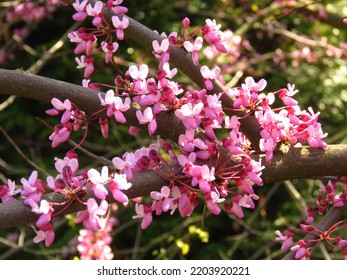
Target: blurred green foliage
322, 85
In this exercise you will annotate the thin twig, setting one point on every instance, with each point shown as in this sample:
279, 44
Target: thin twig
22, 154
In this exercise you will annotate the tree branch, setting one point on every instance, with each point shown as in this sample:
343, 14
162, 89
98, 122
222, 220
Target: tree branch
327, 221
22, 84
182, 60
16, 213
299, 163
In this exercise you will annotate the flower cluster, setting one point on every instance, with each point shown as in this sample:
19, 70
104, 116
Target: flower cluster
328, 197
197, 169
72, 185
210, 161
95, 245
72, 119
87, 39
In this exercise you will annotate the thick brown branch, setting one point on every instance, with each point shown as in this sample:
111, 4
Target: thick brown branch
20, 83
306, 162
299, 163
16, 213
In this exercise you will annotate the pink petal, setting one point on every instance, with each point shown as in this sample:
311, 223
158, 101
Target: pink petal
120, 196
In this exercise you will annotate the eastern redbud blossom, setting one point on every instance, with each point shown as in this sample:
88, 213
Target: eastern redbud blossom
145, 213
161, 200
194, 48
87, 63
139, 75
302, 252
119, 183
147, 117
104, 127
80, 7
96, 213
190, 115
209, 75
98, 182
195, 168
46, 235
33, 188
95, 12
158, 49
120, 25
109, 48
287, 239
115, 105
114, 7
7, 192
213, 35
95, 245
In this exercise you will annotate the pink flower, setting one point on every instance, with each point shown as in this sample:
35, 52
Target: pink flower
162, 200
95, 245
109, 48
209, 75
33, 188
190, 114
194, 48
81, 10
70, 162
235, 208
302, 252
95, 12
7, 192
147, 117
119, 183
202, 175
120, 25
163, 47
252, 86
43, 209
185, 22
186, 141
214, 36
143, 212
114, 7
139, 75
104, 127
85, 41
87, 63
286, 94
267, 144
212, 200
59, 107
115, 105
287, 239
47, 236
169, 73
125, 164
96, 213
98, 181
186, 203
